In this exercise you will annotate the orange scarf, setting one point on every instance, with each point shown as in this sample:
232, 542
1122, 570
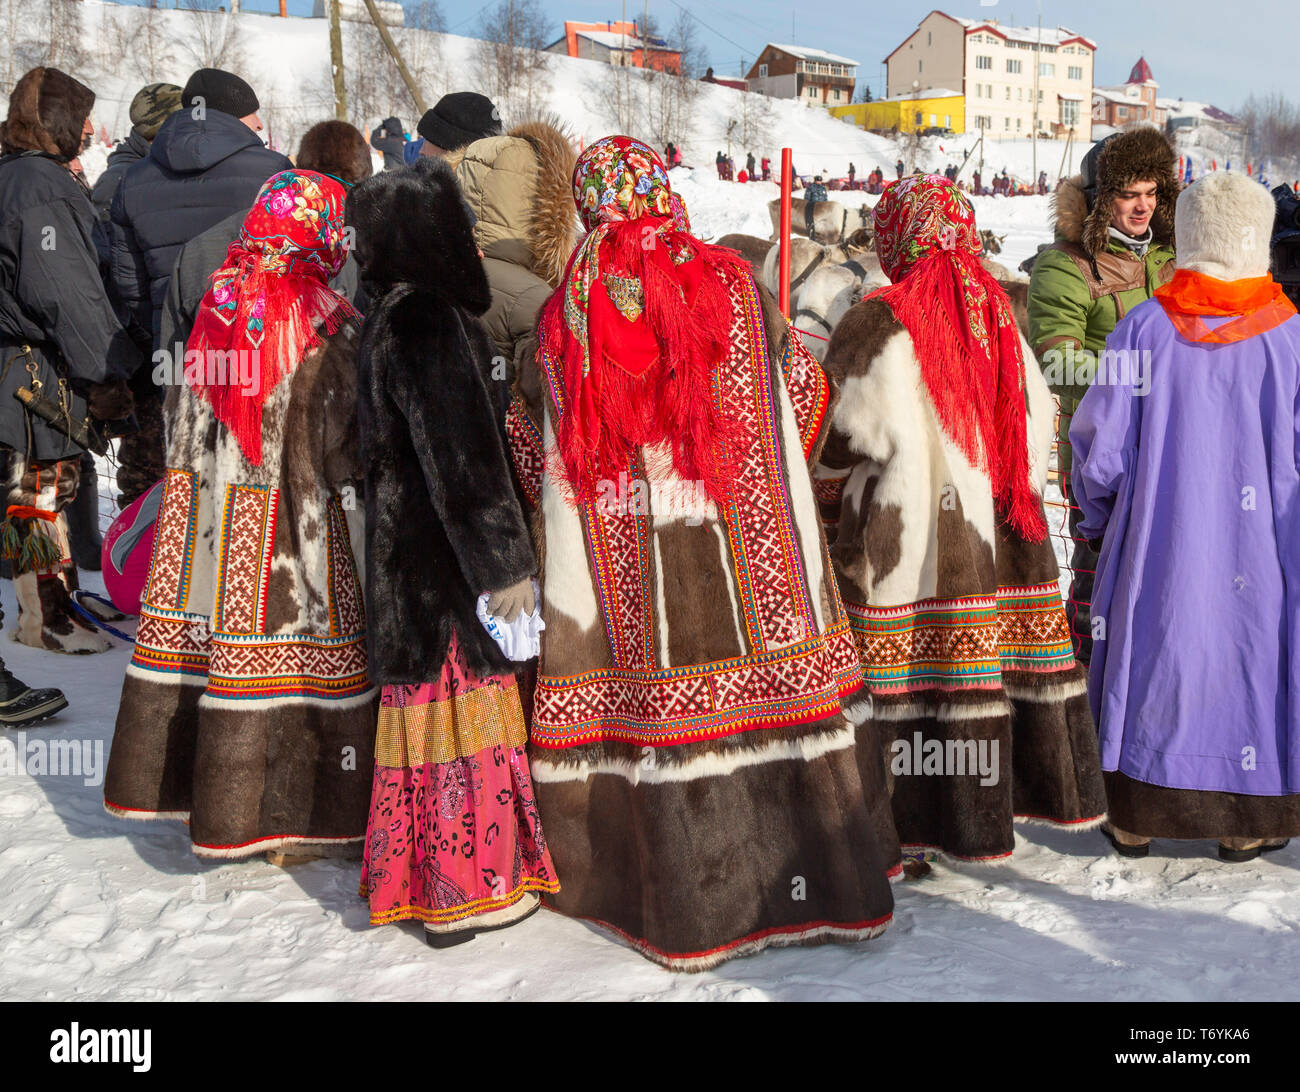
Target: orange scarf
1259, 302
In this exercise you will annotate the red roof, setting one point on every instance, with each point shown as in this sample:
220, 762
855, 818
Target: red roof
1141, 72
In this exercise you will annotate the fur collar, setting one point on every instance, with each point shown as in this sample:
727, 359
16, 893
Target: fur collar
412, 227
549, 223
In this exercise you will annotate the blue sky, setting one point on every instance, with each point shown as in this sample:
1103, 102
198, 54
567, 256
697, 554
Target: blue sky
1208, 50
1215, 51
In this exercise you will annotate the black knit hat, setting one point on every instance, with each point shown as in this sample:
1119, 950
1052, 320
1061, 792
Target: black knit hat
216, 89
459, 119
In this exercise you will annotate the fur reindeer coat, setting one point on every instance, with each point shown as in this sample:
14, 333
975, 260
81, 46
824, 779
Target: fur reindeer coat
958, 620
247, 707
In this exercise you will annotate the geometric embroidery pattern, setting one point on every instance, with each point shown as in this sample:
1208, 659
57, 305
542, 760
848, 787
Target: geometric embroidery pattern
347, 612
800, 683
173, 550
962, 644
525, 450
257, 666
794, 673
244, 558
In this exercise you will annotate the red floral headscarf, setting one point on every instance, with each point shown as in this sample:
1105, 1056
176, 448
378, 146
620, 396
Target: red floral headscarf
270, 298
965, 335
638, 326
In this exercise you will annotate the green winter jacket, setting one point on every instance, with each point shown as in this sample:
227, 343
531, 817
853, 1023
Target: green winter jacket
1076, 297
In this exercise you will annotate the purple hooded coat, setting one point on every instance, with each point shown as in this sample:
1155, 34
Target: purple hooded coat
1185, 454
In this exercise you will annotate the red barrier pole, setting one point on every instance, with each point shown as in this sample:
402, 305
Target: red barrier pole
787, 164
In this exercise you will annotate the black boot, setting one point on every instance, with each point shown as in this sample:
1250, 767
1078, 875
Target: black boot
82, 514
20, 705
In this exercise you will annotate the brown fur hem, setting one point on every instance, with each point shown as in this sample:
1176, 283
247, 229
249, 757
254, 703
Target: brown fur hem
1155, 811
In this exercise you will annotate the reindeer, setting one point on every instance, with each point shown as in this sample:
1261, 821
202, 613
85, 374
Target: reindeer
830, 219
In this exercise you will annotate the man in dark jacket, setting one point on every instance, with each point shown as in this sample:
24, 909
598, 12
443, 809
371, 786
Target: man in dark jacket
206, 163
390, 138
334, 148
59, 338
151, 106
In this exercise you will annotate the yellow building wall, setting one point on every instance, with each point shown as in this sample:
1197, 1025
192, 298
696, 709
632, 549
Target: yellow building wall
901, 113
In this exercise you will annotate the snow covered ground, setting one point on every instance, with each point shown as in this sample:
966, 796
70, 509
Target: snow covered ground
96, 908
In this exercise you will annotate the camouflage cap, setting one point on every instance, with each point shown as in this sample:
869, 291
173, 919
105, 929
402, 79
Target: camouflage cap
152, 105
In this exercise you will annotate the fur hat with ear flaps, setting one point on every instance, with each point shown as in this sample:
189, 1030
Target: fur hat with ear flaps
1085, 203
47, 110
1225, 222
413, 227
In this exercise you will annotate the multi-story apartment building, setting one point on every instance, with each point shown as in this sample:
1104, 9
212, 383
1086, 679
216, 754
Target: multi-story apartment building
1015, 80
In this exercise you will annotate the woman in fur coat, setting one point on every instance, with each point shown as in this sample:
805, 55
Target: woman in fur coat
247, 707
699, 781
935, 466
1185, 470
454, 838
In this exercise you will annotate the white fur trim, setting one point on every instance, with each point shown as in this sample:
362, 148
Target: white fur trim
803, 505
1054, 824
568, 587
278, 841
166, 678
709, 765
1053, 692
817, 933
949, 712
1224, 222
226, 705
137, 815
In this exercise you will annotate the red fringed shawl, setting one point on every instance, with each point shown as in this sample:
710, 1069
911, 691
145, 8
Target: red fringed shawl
638, 326
267, 305
965, 335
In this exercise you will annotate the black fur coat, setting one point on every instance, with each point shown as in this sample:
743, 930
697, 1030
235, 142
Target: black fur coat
443, 524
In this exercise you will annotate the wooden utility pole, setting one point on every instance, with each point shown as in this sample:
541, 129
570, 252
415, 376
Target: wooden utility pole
336, 62
391, 46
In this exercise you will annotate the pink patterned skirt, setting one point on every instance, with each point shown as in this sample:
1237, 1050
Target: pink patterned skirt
454, 830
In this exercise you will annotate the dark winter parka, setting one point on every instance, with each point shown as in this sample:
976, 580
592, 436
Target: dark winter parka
51, 294
443, 525
198, 171
126, 154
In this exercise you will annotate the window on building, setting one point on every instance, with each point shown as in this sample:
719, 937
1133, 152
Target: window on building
1020, 94
1040, 96
928, 37
988, 90
1013, 67
1006, 123
1046, 69
934, 120
1076, 72
762, 71
916, 118
920, 65
983, 61
836, 94
1008, 93
1122, 111
1069, 112
947, 121
1018, 120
